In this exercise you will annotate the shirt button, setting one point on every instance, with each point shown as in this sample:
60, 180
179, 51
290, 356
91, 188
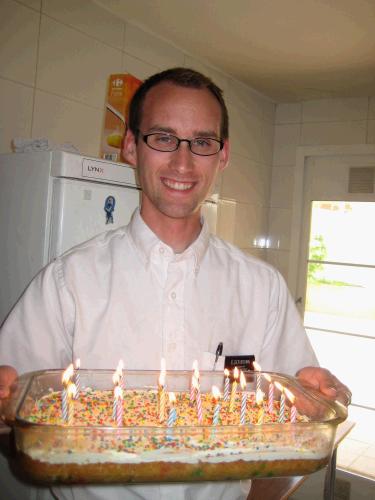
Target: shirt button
173, 295
161, 250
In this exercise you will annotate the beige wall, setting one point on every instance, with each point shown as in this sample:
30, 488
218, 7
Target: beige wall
55, 59
311, 123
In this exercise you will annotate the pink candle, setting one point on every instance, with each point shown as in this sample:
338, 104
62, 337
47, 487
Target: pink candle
226, 385
271, 389
293, 409
198, 400
119, 406
293, 414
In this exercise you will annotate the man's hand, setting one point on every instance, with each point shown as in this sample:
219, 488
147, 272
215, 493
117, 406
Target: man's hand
323, 381
8, 376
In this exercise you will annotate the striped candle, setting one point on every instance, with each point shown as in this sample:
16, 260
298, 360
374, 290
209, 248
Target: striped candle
77, 378
293, 409
226, 385
243, 398
161, 392
71, 392
64, 405
172, 410
271, 389
119, 406
64, 396
282, 403
198, 400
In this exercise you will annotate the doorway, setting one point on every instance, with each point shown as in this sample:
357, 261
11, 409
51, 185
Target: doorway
336, 284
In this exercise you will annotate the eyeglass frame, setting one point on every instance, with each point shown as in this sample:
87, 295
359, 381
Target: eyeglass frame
189, 141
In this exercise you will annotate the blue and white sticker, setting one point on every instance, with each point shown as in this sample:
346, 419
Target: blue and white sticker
109, 208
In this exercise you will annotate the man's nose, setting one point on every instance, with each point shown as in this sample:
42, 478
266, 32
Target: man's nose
183, 158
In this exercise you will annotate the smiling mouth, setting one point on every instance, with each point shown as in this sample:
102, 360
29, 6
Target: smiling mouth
177, 185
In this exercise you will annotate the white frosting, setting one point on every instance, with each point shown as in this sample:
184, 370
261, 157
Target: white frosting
208, 456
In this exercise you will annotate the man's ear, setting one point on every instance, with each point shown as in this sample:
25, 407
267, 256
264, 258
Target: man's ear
129, 148
224, 156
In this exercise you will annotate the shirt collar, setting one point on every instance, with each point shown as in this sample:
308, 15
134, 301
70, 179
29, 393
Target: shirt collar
146, 241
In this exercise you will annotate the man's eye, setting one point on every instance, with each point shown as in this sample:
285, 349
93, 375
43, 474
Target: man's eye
202, 142
164, 139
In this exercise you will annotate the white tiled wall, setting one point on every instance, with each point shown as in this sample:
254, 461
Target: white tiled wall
314, 123
55, 60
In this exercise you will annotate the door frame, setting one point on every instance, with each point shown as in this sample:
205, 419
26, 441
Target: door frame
302, 153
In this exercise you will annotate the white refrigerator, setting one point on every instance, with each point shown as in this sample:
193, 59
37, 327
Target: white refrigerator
51, 201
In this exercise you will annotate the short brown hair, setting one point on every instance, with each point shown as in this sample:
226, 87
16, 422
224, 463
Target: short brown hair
184, 77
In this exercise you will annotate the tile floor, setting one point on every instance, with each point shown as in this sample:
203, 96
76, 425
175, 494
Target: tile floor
356, 453
357, 457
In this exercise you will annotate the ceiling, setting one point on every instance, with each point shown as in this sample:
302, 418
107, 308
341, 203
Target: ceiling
288, 50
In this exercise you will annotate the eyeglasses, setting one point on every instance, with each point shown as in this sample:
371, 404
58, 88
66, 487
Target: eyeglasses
166, 143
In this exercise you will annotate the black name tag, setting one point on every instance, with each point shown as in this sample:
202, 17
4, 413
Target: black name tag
244, 363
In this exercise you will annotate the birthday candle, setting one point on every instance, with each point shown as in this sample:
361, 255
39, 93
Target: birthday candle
216, 397
226, 385
71, 391
243, 398
293, 409
119, 407
198, 400
172, 410
257, 368
234, 389
282, 403
77, 378
162, 394
114, 407
270, 392
64, 395
64, 405
192, 388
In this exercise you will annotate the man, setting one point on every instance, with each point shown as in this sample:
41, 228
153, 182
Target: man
162, 286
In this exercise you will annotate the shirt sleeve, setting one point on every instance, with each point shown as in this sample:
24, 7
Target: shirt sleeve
38, 331
286, 347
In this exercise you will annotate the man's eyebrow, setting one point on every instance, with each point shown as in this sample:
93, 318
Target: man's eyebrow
196, 133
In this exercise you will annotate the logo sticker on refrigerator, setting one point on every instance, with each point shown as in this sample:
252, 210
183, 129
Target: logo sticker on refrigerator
109, 208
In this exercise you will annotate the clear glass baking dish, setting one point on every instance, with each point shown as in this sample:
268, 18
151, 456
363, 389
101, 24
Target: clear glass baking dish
77, 453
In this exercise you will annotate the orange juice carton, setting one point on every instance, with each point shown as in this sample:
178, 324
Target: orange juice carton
121, 88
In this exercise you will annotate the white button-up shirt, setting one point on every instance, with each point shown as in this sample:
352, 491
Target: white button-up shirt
125, 294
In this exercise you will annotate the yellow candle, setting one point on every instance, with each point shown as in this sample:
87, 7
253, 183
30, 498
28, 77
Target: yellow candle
161, 392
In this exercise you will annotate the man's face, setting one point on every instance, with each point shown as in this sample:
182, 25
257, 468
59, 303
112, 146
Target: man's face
176, 183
